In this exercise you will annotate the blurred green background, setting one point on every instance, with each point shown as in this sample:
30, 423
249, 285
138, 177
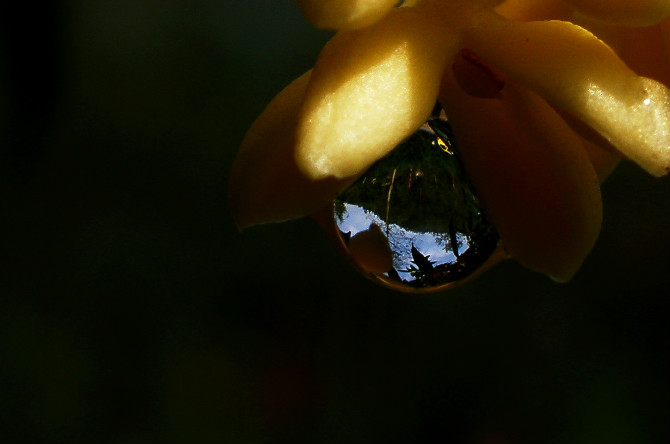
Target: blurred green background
131, 309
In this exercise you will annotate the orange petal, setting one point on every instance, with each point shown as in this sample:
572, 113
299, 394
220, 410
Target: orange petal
645, 50
533, 177
266, 185
370, 89
575, 71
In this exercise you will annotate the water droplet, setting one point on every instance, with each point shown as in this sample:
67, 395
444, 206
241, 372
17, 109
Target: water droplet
412, 222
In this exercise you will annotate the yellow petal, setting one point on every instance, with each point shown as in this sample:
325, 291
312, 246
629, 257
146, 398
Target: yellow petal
266, 185
575, 71
344, 14
370, 89
532, 175
624, 12
645, 50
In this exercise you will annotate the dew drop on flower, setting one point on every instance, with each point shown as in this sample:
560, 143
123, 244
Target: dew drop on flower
412, 222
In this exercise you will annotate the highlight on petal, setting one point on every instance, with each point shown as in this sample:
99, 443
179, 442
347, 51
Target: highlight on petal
576, 72
265, 184
370, 89
624, 12
532, 175
344, 14
646, 50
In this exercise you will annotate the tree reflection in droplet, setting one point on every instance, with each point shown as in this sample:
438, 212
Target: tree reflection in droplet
422, 201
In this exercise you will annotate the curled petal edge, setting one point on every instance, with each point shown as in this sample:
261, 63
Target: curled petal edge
574, 71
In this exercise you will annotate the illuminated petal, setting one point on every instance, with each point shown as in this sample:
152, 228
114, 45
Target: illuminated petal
575, 71
265, 184
624, 12
645, 50
532, 175
344, 14
370, 89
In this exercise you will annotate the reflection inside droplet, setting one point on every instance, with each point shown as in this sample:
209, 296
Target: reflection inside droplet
416, 205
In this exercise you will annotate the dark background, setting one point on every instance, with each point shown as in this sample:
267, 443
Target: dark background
131, 309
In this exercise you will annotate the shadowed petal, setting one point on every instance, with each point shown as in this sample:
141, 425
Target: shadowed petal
532, 175
266, 185
604, 157
369, 90
624, 12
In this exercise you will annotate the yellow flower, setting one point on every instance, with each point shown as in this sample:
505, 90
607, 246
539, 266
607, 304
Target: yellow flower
541, 108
